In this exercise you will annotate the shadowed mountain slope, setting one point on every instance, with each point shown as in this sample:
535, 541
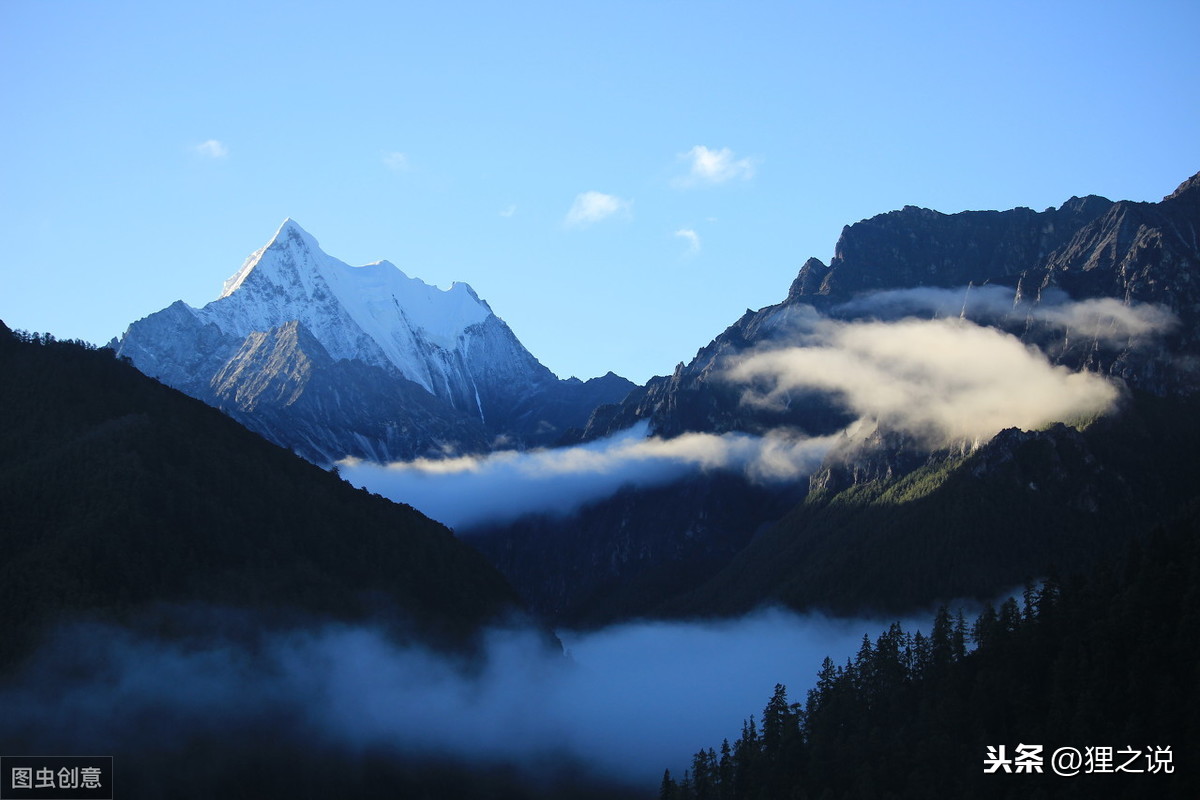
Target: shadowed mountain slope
119, 494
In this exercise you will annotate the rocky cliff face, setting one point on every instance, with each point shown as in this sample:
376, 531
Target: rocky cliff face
1088, 248
333, 360
284, 384
920, 247
886, 520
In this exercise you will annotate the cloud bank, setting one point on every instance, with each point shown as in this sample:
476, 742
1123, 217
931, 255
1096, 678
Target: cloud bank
1104, 320
944, 381
627, 701
940, 380
461, 492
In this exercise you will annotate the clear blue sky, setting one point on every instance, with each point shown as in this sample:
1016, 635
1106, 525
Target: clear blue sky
147, 148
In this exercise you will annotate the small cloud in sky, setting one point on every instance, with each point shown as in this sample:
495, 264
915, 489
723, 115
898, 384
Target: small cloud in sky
396, 161
592, 207
508, 210
212, 149
692, 238
707, 167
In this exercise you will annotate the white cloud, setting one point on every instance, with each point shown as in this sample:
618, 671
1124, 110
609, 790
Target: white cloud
212, 149
508, 484
396, 161
1105, 320
508, 210
693, 240
591, 207
714, 166
630, 700
941, 380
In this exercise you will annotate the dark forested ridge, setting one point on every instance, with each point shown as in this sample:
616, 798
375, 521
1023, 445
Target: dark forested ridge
118, 494
890, 531
968, 525
143, 531
591, 569
1103, 660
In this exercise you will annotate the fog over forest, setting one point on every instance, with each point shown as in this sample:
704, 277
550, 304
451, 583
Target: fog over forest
626, 701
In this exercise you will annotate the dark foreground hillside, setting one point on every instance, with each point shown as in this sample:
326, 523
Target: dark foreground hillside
972, 525
1101, 669
117, 493
173, 588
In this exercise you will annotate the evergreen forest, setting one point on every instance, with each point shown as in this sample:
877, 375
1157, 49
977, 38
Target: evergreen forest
1105, 662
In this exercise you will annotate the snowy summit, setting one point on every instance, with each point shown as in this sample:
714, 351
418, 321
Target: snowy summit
298, 332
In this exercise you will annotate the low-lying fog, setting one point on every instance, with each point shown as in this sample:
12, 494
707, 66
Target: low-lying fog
626, 701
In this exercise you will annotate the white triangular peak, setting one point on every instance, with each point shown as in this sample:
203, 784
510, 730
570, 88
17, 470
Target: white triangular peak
373, 312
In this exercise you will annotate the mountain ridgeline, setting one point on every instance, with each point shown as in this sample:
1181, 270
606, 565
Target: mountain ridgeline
332, 361
128, 505
889, 522
1088, 248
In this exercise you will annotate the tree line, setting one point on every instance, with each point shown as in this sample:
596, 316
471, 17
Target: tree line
1104, 660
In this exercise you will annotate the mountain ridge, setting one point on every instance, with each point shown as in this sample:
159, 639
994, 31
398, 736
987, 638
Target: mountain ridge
1022, 272
410, 337
1089, 247
123, 497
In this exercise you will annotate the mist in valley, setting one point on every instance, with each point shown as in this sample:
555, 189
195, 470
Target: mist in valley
619, 704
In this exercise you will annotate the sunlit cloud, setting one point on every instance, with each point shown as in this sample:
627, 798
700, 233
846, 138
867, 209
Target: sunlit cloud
706, 167
501, 486
940, 380
212, 149
591, 207
1105, 320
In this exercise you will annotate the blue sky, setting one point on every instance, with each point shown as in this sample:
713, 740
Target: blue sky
620, 181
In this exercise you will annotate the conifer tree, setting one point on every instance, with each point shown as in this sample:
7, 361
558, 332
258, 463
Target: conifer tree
1010, 616
941, 646
984, 631
668, 790
958, 637
725, 769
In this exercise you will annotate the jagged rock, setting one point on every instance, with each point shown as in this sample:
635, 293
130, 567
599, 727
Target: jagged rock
886, 500
1090, 247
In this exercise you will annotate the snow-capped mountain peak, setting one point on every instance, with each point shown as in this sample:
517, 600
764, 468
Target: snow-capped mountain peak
374, 313
291, 309
447, 341
289, 237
